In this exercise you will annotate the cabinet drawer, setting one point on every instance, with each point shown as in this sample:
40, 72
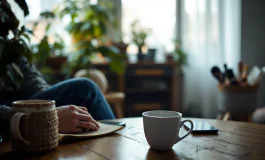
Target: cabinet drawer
145, 102
149, 71
146, 106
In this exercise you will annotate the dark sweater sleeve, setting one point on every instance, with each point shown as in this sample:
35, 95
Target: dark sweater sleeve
5, 112
33, 80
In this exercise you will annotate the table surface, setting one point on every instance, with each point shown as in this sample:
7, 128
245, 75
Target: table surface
235, 140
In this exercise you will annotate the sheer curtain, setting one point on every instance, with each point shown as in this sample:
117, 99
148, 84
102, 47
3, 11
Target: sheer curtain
211, 36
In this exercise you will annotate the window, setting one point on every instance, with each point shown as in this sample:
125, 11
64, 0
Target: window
158, 15
35, 8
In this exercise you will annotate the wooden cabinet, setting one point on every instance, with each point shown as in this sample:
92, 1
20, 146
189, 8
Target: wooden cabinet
147, 86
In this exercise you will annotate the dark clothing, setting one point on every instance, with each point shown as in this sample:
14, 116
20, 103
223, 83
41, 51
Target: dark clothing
33, 83
80, 92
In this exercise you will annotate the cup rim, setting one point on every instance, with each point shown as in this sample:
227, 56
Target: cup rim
144, 114
33, 103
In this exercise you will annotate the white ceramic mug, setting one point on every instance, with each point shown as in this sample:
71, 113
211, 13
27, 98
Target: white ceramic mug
161, 128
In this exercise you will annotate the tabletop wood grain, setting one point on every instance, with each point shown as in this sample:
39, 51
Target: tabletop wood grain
235, 140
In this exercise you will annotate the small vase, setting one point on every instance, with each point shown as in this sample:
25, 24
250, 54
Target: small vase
140, 55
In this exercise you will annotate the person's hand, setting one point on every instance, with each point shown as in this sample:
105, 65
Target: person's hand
74, 119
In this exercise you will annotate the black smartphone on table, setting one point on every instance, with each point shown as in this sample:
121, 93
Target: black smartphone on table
201, 127
113, 123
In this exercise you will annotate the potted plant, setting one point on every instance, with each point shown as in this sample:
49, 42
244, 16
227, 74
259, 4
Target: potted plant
179, 55
139, 35
47, 53
13, 46
88, 26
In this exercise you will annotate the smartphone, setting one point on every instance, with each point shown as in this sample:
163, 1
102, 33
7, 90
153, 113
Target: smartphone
114, 123
201, 128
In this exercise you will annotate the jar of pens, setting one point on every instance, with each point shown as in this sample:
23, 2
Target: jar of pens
237, 97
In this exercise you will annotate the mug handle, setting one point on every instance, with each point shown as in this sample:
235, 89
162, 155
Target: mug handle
15, 126
181, 124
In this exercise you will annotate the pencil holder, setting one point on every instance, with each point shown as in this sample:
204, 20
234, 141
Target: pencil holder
237, 100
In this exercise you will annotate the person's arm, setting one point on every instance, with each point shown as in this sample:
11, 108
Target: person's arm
33, 80
72, 119
4, 120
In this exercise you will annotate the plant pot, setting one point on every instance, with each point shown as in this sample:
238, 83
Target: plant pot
56, 62
151, 53
140, 55
169, 58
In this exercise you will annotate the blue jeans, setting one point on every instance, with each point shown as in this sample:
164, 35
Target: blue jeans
79, 92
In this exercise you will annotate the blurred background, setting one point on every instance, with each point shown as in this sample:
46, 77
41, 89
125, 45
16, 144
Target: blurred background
147, 54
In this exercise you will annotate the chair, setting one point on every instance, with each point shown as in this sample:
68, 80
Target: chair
116, 99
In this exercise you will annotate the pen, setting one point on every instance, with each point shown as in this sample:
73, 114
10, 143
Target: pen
231, 77
226, 79
240, 70
245, 73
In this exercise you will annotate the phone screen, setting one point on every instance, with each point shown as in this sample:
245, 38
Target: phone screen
201, 127
114, 123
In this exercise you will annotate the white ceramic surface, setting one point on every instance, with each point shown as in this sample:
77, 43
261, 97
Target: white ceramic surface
161, 128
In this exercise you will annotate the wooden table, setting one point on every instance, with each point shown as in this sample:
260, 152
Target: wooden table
235, 140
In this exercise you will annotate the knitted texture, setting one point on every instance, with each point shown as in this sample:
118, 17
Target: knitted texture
5, 112
40, 130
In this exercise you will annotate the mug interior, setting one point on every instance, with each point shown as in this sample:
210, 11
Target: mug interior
162, 114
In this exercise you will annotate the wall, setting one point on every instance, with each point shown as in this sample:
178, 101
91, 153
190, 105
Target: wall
253, 38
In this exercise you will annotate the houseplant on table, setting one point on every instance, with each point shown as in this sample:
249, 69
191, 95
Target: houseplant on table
13, 46
139, 35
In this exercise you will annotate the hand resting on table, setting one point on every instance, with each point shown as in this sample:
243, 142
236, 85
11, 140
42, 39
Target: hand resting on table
75, 119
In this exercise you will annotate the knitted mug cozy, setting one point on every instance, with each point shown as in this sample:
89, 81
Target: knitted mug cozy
34, 126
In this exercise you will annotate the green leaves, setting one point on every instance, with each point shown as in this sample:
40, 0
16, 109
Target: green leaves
41, 51
86, 19
88, 25
179, 55
12, 48
85, 27
23, 5
116, 60
8, 21
139, 34
47, 15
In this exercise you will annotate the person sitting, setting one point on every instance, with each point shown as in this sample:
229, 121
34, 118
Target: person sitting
79, 101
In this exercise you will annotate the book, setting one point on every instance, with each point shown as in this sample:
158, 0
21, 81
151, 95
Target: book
105, 129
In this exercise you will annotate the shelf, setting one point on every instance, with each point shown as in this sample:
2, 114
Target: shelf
146, 86
134, 91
